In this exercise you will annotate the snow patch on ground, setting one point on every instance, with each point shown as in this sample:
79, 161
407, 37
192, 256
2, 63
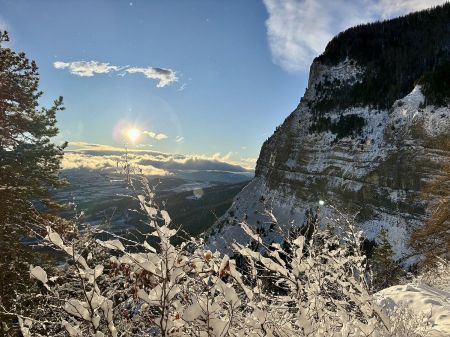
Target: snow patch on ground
423, 300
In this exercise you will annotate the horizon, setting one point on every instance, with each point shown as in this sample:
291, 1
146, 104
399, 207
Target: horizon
205, 81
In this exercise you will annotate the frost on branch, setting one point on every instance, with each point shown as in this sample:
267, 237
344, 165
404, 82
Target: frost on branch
39, 274
310, 284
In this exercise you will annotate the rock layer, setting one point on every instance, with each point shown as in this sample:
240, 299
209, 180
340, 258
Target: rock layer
369, 162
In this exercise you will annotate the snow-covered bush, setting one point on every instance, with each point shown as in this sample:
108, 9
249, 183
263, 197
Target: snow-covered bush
314, 285
438, 275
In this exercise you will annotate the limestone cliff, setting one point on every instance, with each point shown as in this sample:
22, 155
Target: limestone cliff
371, 131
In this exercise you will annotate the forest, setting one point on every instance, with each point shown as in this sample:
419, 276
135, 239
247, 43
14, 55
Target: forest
397, 55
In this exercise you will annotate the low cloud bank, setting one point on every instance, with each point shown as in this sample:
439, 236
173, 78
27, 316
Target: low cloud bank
193, 163
104, 157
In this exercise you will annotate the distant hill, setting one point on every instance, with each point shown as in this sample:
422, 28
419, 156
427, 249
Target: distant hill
102, 197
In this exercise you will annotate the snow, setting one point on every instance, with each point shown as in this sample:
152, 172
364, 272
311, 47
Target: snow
397, 229
166, 217
355, 158
319, 167
112, 244
39, 274
424, 301
408, 111
346, 71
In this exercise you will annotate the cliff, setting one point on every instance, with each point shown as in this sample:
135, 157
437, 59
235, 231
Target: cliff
371, 131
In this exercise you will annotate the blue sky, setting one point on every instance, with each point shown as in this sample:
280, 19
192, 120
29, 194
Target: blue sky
234, 70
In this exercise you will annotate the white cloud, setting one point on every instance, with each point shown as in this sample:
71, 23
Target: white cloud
217, 156
106, 157
164, 76
157, 136
77, 160
299, 30
248, 162
389, 8
86, 68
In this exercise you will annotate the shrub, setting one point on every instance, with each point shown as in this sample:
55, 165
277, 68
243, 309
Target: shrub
314, 285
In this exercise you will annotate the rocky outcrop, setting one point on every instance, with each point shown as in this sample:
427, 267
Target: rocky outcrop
371, 161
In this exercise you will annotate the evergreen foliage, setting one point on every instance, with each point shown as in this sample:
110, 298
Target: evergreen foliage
29, 165
347, 125
386, 272
396, 54
29, 161
436, 85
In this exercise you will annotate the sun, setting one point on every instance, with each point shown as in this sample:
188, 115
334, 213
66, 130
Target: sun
133, 134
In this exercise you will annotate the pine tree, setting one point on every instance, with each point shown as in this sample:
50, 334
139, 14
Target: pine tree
386, 271
29, 164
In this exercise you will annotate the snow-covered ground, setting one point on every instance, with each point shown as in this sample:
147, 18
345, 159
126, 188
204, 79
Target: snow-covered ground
425, 302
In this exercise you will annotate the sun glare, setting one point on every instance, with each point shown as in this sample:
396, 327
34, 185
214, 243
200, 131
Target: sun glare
133, 134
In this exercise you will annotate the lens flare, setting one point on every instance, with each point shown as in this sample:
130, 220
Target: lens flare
198, 193
133, 134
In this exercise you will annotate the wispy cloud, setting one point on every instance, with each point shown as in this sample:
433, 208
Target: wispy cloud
182, 87
3, 25
389, 8
105, 157
298, 30
86, 68
157, 136
179, 139
164, 77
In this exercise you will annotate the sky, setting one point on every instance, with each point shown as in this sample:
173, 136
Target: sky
202, 80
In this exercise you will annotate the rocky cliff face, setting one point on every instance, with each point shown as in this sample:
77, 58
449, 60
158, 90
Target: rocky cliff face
351, 148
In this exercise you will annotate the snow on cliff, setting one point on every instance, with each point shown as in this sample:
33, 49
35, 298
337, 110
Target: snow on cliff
377, 175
